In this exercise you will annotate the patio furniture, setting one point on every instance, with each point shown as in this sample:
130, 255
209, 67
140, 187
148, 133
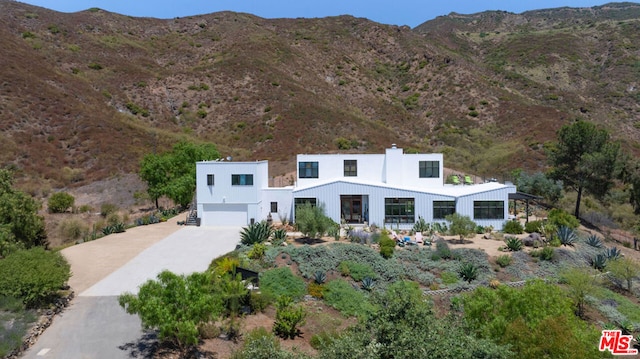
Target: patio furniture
467, 180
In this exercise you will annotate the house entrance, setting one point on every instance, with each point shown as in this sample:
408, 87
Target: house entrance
353, 208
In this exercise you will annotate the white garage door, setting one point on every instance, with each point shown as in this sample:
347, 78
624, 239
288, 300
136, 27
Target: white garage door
224, 215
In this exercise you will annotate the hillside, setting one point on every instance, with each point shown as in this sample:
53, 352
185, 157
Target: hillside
94, 91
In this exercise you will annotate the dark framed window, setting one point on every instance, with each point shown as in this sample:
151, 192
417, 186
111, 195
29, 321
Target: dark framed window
210, 180
429, 169
274, 207
441, 209
350, 168
488, 209
300, 201
399, 210
308, 169
242, 180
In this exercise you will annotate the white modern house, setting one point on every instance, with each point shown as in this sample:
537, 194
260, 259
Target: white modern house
392, 189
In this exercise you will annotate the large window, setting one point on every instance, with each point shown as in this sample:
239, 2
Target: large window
308, 169
429, 169
399, 210
242, 180
488, 209
350, 168
441, 209
301, 201
210, 180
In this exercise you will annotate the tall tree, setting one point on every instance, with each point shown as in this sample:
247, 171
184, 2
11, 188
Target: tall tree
173, 174
584, 159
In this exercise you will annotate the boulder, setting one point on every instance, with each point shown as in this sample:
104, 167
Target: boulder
532, 239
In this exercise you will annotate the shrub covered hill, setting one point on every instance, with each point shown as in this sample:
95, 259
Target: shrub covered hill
83, 96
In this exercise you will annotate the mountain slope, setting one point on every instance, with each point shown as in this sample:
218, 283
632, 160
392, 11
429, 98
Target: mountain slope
84, 96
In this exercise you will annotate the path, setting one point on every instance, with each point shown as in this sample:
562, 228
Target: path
94, 325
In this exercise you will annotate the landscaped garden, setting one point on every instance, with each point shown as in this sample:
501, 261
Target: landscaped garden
334, 291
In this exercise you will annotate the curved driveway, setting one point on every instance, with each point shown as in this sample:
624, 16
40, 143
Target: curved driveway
94, 325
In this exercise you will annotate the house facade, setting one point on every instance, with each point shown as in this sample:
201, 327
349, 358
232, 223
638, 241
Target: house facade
392, 189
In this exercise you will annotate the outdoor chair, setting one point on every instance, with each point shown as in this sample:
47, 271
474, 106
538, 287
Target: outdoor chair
467, 179
455, 179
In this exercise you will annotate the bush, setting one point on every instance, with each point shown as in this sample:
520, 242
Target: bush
258, 301
442, 249
255, 233
73, 229
107, 208
288, 317
559, 217
257, 251
33, 275
504, 260
261, 344
547, 253
316, 290
387, 246
281, 282
513, 227
357, 271
59, 202
533, 227
175, 305
342, 296
311, 220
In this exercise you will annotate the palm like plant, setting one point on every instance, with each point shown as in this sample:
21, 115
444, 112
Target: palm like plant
255, 233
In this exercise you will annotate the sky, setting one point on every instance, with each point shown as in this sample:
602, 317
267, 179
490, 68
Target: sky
393, 12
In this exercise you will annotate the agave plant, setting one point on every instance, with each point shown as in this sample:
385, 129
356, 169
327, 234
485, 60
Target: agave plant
599, 262
594, 241
279, 236
368, 284
468, 272
567, 236
107, 230
255, 233
514, 244
421, 226
118, 227
319, 277
612, 253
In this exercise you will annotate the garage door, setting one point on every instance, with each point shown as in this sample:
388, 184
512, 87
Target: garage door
224, 215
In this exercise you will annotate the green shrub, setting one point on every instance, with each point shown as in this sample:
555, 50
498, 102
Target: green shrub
443, 250
448, 277
288, 317
261, 344
257, 251
59, 202
533, 226
559, 218
349, 301
387, 246
358, 271
513, 227
255, 233
547, 253
504, 260
34, 275
311, 220
258, 301
281, 282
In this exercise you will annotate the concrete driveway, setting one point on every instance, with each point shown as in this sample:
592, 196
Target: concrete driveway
94, 325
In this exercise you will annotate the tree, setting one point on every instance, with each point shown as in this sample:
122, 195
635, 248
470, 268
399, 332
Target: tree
461, 225
175, 305
59, 202
623, 270
173, 174
538, 184
311, 220
19, 216
584, 159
